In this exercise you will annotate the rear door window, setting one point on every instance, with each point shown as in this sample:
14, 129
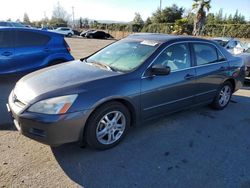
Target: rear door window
28, 39
6, 38
205, 54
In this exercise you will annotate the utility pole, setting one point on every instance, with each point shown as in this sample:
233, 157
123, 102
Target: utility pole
73, 17
160, 4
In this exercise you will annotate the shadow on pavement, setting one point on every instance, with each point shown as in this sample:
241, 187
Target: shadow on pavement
6, 85
7, 127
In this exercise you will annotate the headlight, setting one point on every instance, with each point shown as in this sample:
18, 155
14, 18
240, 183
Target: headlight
57, 105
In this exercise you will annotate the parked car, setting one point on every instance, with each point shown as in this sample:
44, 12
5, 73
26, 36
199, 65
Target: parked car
23, 50
10, 24
98, 35
237, 48
246, 59
66, 31
76, 32
234, 46
83, 34
144, 76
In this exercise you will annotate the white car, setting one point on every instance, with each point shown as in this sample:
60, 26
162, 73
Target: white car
234, 46
66, 31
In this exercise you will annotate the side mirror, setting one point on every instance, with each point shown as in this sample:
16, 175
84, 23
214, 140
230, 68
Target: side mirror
159, 70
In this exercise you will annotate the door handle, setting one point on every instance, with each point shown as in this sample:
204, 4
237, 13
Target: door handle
7, 54
189, 76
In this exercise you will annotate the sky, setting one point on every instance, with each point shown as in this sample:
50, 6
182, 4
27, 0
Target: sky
116, 10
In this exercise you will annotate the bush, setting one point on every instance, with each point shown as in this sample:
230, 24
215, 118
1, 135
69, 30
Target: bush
158, 28
228, 30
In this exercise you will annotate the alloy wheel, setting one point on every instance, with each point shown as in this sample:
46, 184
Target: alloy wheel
111, 127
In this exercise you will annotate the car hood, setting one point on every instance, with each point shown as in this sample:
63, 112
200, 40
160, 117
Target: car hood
58, 77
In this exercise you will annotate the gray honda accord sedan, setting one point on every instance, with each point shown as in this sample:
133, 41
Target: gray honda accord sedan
96, 99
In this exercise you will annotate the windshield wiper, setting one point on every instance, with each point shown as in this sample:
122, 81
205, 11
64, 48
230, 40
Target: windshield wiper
102, 65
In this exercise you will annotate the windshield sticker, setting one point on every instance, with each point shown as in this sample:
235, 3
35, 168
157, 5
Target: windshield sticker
149, 43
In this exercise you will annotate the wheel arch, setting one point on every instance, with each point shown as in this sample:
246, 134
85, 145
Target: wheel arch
232, 81
125, 102
128, 104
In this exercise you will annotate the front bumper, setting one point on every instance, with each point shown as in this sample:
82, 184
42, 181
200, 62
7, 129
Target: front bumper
52, 130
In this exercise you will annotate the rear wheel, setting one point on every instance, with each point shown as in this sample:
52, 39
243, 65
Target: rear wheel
223, 96
107, 126
69, 35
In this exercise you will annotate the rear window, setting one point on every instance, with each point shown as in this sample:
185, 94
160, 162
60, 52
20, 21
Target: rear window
6, 39
27, 38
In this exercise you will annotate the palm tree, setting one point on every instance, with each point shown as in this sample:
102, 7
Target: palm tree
200, 6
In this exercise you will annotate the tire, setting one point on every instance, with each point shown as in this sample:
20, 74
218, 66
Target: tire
100, 122
69, 35
223, 96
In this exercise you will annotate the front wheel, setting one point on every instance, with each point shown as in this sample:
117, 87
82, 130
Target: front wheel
223, 96
107, 126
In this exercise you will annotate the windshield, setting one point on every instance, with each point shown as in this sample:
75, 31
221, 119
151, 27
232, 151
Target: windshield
124, 55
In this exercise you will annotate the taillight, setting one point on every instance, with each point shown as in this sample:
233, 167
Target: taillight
67, 46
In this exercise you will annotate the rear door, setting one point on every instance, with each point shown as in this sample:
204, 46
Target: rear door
163, 94
211, 69
6, 51
31, 50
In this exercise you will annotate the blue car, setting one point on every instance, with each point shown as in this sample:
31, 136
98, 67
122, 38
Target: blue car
23, 50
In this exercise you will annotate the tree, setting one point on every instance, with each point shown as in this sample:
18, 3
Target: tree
137, 19
148, 22
219, 17
210, 19
200, 7
26, 19
137, 22
238, 18
57, 22
86, 23
80, 22
168, 14
60, 13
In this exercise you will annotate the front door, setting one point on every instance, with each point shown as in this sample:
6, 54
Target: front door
163, 94
6, 51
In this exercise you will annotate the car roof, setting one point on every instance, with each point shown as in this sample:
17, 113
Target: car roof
162, 38
30, 29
